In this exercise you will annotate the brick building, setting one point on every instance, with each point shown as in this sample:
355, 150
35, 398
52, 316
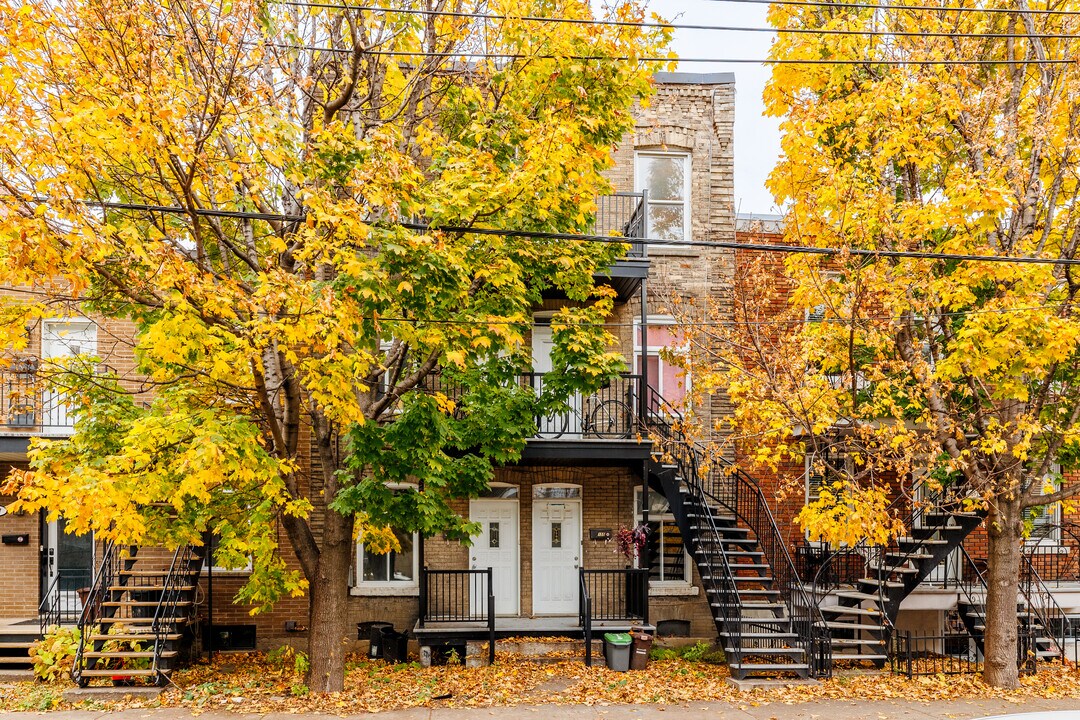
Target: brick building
581, 479
934, 605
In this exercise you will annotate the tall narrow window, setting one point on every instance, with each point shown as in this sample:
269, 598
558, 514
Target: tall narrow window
665, 553
669, 379
667, 178
395, 569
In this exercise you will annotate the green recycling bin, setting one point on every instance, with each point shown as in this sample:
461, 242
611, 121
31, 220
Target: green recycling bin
617, 651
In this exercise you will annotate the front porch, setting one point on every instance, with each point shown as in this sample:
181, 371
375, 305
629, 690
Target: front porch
458, 607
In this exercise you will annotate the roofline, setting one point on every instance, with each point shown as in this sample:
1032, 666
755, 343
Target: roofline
692, 78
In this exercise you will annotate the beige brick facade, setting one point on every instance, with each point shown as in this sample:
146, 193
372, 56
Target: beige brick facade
689, 114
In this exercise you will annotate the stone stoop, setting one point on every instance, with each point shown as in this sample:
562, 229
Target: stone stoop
537, 651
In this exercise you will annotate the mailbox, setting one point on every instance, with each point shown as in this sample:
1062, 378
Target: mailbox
23, 539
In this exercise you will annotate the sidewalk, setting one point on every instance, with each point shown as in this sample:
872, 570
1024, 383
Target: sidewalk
823, 710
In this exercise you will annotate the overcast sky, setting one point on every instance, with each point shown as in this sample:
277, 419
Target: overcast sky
757, 138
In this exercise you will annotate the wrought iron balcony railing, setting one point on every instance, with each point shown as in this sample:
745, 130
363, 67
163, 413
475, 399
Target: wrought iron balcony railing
28, 407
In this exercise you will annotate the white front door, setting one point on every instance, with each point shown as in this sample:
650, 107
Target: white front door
496, 547
556, 556
64, 339
558, 424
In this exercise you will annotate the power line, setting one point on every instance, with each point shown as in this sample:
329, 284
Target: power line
636, 324
466, 55
584, 237
680, 26
895, 8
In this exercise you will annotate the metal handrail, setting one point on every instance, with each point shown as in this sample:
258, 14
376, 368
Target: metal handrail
106, 575
168, 602
805, 617
1048, 610
463, 588
585, 615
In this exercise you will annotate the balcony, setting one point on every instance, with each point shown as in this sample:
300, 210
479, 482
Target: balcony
603, 425
28, 408
621, 215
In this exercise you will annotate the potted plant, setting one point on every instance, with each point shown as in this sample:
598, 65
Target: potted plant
631, 542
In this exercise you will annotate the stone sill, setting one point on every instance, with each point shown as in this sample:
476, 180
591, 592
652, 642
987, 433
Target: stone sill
668, 250
407, 590
673, 590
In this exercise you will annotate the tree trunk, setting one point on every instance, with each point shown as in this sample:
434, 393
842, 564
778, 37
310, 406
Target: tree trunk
1000, 637
329, 632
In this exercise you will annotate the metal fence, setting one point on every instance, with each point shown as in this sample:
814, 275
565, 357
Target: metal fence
950, 654
459, 596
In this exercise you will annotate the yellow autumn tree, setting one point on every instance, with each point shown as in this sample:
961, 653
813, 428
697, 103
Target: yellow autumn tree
952, 131
253, 183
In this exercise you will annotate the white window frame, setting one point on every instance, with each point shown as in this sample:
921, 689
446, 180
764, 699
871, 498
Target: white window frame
388, 587
1051, 516
639, 186
684, 583
657, 382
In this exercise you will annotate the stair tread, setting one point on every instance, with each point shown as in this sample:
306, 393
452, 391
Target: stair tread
854, 642
921, 541
762, 635
892, 568
16, 645
765, 651
767, 666
860, 656
129, 654
835, 625
147, 588
856, 595
14, 659
134, 636
122, 673
842, 610
887, 583
142, 603
140, 620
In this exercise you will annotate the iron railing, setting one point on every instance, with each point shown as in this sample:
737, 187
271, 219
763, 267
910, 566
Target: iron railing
28, 406
950, 654
611, 595
1053, 552
108, 574
62, 604
608, 413
1041, 605
716, 481
459, 596
168, 615
623, 214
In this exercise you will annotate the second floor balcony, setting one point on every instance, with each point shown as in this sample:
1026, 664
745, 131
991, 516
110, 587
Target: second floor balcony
29, 407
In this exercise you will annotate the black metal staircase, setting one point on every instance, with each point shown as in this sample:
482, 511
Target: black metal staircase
766, 622
1039, 616
138, 620
860, 612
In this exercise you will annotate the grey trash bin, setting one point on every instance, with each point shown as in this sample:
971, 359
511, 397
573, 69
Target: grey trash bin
617, 651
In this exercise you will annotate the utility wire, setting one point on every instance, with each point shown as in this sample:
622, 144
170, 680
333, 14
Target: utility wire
467, 55
584, 237
683, 26
899, 7
635, 324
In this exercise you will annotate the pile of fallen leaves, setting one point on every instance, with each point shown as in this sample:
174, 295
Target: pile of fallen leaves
254, 683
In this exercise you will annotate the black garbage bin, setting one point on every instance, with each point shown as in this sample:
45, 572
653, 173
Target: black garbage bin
395, 646
373, 632
639, 651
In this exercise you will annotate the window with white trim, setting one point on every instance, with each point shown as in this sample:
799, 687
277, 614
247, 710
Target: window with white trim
669, 560
1045, 520
666, 175
397, 569
669, 379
